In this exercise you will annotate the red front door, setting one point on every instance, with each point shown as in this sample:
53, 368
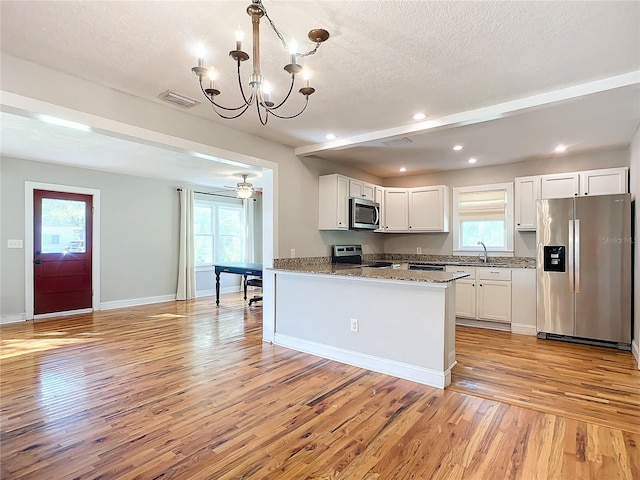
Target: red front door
62, 226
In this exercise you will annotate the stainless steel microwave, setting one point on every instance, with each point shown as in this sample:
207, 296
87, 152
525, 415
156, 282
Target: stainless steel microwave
363, 214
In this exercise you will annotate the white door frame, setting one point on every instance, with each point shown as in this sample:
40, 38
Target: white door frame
29, 187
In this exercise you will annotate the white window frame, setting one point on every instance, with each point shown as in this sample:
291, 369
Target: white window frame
491, 251
216, 205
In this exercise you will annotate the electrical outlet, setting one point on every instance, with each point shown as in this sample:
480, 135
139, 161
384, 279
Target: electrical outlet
14, 243
419, 250
354, 325
293, 253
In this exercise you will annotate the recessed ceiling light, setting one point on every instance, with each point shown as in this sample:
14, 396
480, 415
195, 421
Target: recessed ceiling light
457, 148
419, 116
472, 160
330, 136
560, 149
402, 169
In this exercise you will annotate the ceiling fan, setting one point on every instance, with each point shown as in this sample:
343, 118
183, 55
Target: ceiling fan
244, 189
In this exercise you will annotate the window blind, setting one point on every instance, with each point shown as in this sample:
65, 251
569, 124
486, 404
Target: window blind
484, 205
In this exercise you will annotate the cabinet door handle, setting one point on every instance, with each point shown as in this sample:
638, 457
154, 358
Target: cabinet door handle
473, 284
480, 284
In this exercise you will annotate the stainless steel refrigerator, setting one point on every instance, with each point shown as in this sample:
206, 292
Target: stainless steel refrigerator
584, 269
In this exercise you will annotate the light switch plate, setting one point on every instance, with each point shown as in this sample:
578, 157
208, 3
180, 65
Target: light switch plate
418, 250
14, 243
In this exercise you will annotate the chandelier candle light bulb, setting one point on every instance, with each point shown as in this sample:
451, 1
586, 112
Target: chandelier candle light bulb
293, 50
258, 92
239, 38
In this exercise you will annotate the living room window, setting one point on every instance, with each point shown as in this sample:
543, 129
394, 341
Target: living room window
484, 214
219, 232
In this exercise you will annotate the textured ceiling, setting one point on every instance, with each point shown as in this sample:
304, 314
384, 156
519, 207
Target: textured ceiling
385, 60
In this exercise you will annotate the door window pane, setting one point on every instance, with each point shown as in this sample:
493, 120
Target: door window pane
63, 226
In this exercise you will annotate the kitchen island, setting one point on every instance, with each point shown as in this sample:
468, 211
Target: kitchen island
390, 320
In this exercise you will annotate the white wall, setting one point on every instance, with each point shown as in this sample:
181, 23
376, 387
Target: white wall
524, 242
635, 191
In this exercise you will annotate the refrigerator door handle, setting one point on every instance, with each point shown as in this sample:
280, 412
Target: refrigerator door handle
576, 248
571, 253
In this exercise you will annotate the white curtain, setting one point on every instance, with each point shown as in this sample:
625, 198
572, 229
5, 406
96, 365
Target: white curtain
249, 234
186, 259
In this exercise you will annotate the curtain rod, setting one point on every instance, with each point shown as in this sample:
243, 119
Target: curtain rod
215, 194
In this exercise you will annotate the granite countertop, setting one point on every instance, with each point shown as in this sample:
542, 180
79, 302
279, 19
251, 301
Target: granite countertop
399, 272
453, 260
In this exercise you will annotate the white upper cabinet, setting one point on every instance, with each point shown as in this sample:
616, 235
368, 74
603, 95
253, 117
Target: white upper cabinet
606, 181
429, 209
333, 203
396, 210
559, 185
361, 189
527, 192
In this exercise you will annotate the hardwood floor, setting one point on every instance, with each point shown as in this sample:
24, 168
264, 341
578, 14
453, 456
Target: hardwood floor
188, 390
596, 384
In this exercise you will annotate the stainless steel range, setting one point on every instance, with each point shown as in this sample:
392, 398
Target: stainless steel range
352, 254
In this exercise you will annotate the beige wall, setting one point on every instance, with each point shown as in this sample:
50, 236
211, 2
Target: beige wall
138, 240
297, 207
635, 191
524, 242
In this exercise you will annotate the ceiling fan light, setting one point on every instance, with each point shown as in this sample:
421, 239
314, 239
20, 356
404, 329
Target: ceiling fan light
244, 193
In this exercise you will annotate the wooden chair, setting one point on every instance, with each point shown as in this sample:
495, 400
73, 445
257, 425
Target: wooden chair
254, 282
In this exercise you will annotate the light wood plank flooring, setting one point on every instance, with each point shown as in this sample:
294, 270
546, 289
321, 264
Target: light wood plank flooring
186, 390
597, 384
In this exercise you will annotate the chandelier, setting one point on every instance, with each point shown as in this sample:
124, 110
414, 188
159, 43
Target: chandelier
259, 94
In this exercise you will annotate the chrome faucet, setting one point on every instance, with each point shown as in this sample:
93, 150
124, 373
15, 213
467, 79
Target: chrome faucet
484, 259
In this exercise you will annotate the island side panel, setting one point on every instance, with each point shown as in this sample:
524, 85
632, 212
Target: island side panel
401, 324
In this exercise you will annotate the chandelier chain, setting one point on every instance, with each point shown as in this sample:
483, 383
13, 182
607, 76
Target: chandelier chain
281, 37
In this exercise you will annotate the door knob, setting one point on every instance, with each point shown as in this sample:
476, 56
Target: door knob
38, 262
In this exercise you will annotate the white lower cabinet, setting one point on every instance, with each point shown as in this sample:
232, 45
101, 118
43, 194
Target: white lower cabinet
493, 301
466, 298
484, 295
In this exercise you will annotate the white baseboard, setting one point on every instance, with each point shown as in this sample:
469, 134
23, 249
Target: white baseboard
524, 329
402, 370
18, 317
635, 350
212, 292
134, 302
205, 293
66, 313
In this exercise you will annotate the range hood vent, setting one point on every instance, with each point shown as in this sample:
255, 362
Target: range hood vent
178, 99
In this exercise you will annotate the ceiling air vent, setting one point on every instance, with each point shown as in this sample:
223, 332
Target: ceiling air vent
396, 142
178, 99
